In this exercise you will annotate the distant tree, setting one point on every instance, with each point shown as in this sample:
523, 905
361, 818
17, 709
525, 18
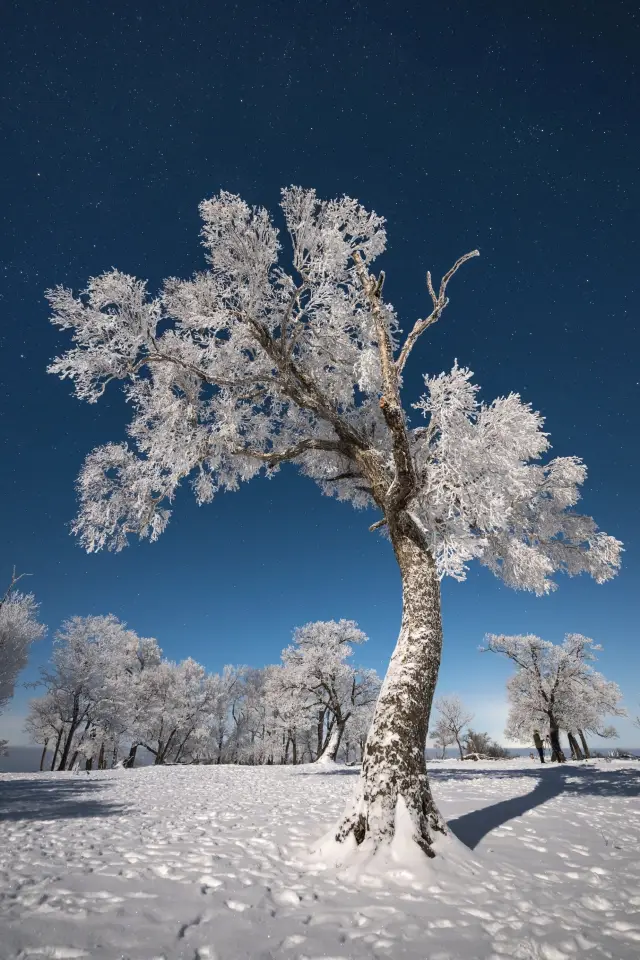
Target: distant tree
19, 627
357, 730
315, 669
554, 687
584, 707
247, 366
44, 725
454, 717
441, 736
87, 683
482, 745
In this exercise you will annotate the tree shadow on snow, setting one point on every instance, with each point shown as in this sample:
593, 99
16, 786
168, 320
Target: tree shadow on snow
54, 800
586, 781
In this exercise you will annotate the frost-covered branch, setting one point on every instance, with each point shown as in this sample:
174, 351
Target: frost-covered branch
440, 302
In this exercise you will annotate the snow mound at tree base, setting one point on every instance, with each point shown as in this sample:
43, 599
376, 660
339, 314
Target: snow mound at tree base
400, 860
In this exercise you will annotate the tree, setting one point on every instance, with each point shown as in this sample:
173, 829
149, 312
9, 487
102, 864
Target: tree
477, 744
44, 724
584, 708
441, 736
316, 673
454, 717
19, 627
247, 366
88, 685
554, 687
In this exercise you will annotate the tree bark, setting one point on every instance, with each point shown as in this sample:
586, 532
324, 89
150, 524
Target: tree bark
43, 754
131, 759
576, 752
75, 720
321, 714
585, 745
101, 761
330, 752
557, 754
394, 764
459, 748
57, 749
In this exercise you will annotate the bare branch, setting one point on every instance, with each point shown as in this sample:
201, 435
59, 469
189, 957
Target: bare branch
14, 579
440, 301
378, 524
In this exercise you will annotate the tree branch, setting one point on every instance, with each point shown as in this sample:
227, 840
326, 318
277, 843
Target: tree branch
378, 524
404, 482
273, 457
440, 301
14, 580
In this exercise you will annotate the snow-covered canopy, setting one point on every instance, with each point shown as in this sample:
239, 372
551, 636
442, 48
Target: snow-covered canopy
248, 365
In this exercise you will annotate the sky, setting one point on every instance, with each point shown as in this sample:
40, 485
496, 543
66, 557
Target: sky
509, 127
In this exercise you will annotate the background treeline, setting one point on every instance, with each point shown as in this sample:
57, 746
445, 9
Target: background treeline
109, 692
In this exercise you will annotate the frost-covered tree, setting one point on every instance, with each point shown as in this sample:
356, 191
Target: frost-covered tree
585, 707
19, 627
287, 702
441, 736
480, 744
357, 729
179, 697
45, 726
316, 671
247, 366
87, 682
554, 687
453, 718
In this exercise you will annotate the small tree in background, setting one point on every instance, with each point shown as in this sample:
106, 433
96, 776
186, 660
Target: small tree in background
247, 366
315, 670
481, 745
454, 717
441, 736
19, 627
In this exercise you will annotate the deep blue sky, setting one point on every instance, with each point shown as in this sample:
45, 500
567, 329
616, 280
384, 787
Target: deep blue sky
507, 126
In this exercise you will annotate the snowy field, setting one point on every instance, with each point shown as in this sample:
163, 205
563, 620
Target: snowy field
210, 862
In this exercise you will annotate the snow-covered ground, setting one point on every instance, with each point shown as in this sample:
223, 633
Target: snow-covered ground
210, 862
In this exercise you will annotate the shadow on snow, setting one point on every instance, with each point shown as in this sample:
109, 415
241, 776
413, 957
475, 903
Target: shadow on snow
472, 827
54, 800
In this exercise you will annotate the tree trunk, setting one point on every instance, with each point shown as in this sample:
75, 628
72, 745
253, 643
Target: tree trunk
73, 726
557, 755
576, 752
585, 745
57, 749
131, 759
101, 763
330, 752
88, 763
294, 750
394, 766
43, 754
321, 714
459, 748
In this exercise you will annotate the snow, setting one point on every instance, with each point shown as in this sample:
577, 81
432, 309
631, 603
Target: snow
214, 862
